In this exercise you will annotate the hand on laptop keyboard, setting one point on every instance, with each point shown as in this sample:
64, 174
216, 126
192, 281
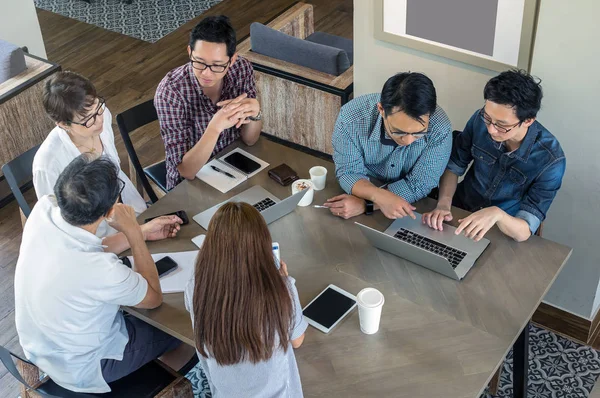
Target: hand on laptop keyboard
435, 219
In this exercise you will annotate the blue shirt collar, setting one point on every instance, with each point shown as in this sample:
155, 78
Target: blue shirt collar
524, 150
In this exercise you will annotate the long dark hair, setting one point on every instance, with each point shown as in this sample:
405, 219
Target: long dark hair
241, 303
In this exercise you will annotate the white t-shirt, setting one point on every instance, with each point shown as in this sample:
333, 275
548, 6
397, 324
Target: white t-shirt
57, 151
67, 297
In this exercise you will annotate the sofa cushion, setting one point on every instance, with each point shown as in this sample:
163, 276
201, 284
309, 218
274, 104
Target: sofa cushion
275, 44
12, 60
334, 41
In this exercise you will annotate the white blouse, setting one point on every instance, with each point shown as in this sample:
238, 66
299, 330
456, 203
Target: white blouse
57, 151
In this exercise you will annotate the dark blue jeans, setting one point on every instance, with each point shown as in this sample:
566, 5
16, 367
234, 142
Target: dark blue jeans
146, 343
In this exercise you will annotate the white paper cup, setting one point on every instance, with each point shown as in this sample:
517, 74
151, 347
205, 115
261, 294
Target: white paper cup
370, 302
318, 176
308, 196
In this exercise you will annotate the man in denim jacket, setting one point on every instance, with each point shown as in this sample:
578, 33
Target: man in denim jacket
517, 168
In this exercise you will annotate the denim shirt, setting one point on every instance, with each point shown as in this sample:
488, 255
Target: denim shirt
523, 182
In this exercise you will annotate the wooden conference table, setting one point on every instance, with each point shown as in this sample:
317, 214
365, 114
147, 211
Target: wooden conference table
438, 337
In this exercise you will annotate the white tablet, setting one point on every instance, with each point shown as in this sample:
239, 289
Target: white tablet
329, 308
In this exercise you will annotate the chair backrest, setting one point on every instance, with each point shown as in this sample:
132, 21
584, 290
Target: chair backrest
275, 44
129, 121
6, 357
17, 172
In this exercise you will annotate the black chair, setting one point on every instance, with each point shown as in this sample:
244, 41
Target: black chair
152, 379
129, 121
18, 172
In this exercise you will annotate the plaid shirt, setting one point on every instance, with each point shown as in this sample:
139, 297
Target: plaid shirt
362, 150
184, 111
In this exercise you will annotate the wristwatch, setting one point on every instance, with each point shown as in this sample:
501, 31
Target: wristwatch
368, 207
257, 117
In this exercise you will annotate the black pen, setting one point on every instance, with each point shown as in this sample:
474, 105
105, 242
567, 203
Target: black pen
222, 171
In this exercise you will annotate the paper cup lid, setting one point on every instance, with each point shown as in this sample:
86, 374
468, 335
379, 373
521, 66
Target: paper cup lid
370, 297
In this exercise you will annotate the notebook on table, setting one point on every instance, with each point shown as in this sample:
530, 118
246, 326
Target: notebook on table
231, 169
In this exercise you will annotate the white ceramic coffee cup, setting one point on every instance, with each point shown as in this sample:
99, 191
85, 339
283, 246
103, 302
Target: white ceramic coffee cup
370, 302
308, 196
318, 176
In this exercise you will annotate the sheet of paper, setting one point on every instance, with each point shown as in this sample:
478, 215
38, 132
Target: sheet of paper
199, 240
262, 163
218, 180
177, 280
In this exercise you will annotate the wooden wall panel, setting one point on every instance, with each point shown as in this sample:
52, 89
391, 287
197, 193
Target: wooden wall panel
297, 113
23, 122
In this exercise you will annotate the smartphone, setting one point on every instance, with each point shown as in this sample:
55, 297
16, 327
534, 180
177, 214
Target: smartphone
181, 214
164, 266
241, 162
277, 254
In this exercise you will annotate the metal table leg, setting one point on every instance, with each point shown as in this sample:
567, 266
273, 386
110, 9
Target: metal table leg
521, 364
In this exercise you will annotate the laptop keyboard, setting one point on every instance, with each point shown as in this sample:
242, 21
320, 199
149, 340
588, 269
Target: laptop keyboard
451, 254
264, 204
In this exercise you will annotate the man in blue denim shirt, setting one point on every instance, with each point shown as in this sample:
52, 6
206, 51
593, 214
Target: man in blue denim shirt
517, 168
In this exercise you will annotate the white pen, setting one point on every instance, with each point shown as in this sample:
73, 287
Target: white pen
320, 207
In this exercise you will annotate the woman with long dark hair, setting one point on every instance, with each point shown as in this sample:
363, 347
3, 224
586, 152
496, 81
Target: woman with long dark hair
246, 313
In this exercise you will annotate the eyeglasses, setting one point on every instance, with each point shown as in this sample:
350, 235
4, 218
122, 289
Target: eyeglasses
214, 68
122, 187
90, 121
401, 134
501, 129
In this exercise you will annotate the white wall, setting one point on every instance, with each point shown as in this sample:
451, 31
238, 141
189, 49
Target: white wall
19, 25
459, 86
566, 58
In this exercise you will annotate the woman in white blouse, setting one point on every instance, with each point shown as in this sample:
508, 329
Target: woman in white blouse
83, 125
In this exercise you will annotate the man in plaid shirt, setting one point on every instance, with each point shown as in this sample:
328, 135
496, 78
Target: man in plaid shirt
209, 102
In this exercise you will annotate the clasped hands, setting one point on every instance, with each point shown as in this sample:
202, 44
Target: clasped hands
235, 112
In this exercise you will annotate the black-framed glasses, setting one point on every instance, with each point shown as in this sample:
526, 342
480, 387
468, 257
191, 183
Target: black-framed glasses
213, 68
401, 134
121, 188
90, 121
488, 121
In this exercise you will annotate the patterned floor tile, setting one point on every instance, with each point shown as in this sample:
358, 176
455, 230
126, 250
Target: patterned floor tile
147, 20
558, 368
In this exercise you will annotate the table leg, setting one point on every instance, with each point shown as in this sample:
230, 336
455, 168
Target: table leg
521, 364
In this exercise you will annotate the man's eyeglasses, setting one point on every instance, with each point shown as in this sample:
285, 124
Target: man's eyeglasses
401, 134
214, 68
89, 122
121, 188
501, 129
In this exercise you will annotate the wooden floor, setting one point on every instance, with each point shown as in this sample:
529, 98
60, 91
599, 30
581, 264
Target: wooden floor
126, 72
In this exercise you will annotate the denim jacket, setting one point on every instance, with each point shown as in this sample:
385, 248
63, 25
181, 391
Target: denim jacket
523, 182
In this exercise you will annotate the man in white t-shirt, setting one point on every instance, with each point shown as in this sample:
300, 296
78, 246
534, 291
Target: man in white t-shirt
68, 291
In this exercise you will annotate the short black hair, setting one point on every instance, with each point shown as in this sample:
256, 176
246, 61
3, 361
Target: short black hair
518, 89
215, 29
410, 92
87, 189
67, 94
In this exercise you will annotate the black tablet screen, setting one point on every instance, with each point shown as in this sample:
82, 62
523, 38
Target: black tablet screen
328, 307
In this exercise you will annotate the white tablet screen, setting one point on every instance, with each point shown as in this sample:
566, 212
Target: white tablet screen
328, 307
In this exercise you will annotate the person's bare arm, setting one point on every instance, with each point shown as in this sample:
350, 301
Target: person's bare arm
122, 218
228, 116
195, 158
298, 342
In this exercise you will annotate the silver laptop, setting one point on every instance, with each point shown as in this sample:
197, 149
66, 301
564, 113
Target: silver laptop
441, 251
269, 205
